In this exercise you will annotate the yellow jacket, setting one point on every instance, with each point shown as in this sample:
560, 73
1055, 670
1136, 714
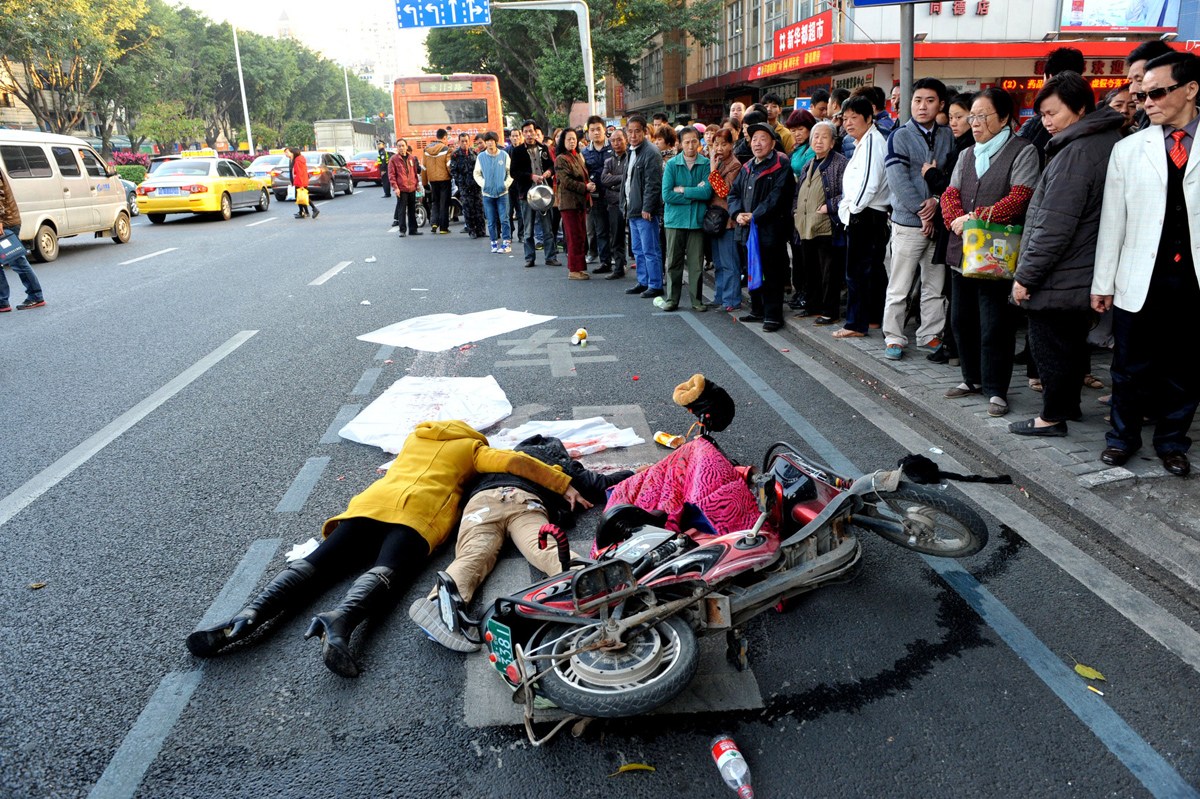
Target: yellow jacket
424, 486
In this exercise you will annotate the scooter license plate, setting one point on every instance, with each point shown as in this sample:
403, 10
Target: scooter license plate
500, 643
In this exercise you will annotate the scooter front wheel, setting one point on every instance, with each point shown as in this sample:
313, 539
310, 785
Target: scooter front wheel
652, 668
924, 521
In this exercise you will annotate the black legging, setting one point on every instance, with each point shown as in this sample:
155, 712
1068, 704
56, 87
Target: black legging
354, 542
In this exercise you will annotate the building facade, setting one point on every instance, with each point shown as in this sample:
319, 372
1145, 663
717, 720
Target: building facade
793, 47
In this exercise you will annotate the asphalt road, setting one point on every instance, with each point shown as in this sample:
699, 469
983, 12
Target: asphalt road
157, 411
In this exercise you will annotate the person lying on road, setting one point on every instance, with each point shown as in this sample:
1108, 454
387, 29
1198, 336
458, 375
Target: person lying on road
508, 505
397, 521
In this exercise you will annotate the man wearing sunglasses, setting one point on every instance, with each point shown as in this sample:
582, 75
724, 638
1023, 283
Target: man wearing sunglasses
1148, 267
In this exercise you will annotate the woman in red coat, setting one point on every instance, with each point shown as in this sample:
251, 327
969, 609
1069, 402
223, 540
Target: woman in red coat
300, 181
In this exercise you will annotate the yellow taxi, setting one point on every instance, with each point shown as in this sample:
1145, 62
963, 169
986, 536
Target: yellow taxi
200, 183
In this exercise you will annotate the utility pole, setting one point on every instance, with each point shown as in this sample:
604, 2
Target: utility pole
907, 50
580, 7
237, 52
346, 77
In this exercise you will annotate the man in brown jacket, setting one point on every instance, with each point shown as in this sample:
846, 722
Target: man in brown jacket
10, 229
437, 175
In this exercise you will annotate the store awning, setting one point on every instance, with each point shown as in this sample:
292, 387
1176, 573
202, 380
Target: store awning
851, 53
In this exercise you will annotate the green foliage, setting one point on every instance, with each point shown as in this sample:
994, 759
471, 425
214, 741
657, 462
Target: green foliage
298, 134
61, 49
537, 55
166, 73
132, 172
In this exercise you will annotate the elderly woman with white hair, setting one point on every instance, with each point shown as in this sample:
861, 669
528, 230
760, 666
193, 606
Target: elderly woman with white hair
822, 237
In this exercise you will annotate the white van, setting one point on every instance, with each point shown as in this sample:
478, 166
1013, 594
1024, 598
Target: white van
63, 188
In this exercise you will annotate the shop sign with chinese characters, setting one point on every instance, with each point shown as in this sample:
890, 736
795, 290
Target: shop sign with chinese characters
822, 55
959, 8
807, 33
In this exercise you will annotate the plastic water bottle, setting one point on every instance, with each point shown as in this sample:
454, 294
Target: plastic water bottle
732, 765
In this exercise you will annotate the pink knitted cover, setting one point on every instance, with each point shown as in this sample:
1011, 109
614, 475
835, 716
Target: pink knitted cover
696, 474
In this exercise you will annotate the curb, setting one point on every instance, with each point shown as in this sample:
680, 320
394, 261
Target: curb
1177, 553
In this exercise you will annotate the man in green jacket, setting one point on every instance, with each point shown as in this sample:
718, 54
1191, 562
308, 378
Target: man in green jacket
685, 193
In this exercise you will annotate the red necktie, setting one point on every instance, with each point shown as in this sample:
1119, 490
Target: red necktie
1178, 154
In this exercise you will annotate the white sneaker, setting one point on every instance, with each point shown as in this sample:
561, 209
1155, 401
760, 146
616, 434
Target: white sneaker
425, 612
507, 246
495, 247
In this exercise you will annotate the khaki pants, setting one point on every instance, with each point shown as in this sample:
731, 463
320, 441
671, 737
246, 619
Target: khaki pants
913, 252
490, 517
684, 247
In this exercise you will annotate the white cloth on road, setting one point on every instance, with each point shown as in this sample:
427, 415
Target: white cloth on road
580, 436
444, 331
386, 422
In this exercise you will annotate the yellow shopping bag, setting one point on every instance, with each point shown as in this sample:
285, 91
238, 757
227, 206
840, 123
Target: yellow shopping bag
301, 196
990, 250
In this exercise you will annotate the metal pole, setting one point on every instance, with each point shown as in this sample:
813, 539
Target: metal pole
907, 34
585, 34
237, 52
346, 77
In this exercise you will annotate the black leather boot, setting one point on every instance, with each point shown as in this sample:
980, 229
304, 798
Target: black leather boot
273, 600
336, 626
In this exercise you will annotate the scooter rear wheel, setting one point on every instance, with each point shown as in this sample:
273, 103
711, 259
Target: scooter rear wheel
653, 668
924, 521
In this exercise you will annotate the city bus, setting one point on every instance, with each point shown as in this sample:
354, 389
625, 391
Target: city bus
458, 103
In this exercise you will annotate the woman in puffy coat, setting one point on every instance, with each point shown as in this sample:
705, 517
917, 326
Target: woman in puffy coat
397, 522
572, 192
1054, 273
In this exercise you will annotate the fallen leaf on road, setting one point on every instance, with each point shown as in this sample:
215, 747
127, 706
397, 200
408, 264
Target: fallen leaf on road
36, 586
1088, 673
632, 767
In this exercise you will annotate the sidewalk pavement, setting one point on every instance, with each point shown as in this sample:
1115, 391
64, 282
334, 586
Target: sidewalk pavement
1149, 510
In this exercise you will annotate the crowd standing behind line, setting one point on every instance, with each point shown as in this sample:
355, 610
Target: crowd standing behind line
1108, 195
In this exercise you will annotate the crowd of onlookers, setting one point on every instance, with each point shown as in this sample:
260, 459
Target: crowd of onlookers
1084, 220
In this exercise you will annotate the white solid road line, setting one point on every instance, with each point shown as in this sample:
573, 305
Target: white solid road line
263, 221
53, 474
330, 273
144, 257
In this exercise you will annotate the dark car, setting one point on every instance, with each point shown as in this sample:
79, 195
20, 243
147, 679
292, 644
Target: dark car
131, 196
327, 175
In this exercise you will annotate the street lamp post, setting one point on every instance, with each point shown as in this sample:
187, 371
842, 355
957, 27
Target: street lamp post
237, 52
346, 77
584, 17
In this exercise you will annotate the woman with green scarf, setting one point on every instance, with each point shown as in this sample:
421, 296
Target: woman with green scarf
993, 180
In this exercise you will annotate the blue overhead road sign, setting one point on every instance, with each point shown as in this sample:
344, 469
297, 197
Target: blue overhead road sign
442, 13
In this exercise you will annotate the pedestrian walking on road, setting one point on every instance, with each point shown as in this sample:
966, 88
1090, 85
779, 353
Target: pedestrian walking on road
1058, 247
1147, 273
300, 181
397, 522
10, 229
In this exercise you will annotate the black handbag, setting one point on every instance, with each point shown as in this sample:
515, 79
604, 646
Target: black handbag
716, 219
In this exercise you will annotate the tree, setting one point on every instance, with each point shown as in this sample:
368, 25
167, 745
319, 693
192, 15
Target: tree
61, 49
537, 56
168, 124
